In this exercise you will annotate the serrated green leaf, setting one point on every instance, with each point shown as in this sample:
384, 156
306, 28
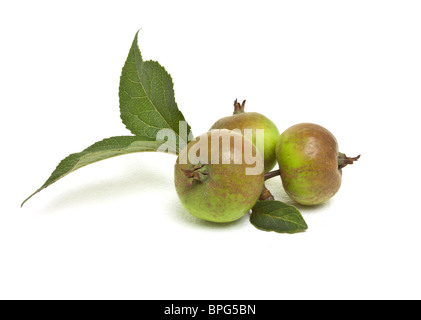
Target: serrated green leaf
272, 215
147, 102
101, 150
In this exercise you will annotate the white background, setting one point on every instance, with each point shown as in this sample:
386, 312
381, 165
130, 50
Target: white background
116, 230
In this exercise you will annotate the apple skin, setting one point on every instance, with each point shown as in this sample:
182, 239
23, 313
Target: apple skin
254, 120
218, 192
307, 155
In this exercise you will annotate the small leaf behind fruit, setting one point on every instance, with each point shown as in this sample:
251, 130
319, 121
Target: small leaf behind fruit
272, 215
147, 102
101, 150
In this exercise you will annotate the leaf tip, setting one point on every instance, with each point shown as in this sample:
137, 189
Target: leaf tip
137, 34
24, 201
21, 205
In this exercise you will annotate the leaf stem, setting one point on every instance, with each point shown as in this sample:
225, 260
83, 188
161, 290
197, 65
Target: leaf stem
272, 174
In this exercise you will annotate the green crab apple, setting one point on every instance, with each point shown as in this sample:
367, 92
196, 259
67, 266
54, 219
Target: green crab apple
252, 120
219, 176
310, 163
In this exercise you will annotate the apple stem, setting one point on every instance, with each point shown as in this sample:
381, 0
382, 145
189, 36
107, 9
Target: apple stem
239, 108
266, 195
272, 174
343, 160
